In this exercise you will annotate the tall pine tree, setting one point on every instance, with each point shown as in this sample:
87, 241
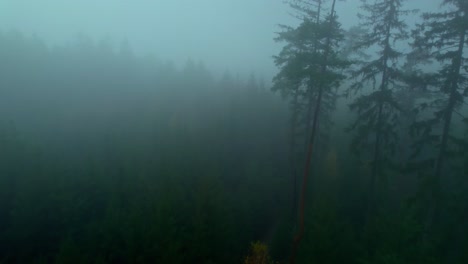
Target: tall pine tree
311, 61
293, 80
442, 38
377, 78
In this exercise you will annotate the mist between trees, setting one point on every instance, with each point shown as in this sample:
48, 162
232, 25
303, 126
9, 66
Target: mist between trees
355, 153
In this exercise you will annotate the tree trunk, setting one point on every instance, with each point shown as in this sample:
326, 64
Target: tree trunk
314, 131
292, 153
436, 185
372, 203
310, 98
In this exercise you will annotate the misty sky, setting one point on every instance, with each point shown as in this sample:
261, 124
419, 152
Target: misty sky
224, 34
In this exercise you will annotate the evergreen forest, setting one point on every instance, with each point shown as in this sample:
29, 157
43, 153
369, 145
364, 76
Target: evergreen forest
356, 151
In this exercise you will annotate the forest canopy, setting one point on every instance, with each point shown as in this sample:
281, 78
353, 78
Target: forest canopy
355, 152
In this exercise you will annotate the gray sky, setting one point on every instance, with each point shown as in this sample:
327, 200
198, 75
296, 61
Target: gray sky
225, 34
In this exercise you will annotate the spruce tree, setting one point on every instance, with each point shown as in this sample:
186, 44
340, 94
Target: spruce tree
442, 38
311, 61
293, 81
377, 79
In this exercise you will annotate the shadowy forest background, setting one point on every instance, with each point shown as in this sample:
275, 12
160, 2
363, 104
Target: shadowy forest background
357, 153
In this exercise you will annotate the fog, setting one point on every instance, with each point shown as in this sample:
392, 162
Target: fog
224, 34
233, 131
234, 35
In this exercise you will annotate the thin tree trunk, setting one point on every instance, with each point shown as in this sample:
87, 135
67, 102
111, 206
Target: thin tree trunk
300, 233
375, 166
314, 131
378, 133
436, 185
292, 152
310, 95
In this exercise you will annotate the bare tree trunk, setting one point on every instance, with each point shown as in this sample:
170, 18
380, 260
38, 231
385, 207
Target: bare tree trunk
292, 153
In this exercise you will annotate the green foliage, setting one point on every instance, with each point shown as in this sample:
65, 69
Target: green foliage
259, 254
309, 62
328, 237
441, 38
397, 237
378, 78
150, 171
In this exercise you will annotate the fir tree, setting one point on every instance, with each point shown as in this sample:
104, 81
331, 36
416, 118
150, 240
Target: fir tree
441, 38
311, 61
377, 110
293, 81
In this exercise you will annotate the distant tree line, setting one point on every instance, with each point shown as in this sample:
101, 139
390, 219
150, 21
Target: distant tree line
107, 157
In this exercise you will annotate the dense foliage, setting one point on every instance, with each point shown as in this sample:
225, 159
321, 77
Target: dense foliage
397, 148
108, 157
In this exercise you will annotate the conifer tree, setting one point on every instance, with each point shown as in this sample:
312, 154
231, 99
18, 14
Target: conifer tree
442, 38
293, 79
311, 60
377, 110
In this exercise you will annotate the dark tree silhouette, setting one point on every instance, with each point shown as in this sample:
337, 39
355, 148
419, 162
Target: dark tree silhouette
311, 58
442, 37
377, 110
